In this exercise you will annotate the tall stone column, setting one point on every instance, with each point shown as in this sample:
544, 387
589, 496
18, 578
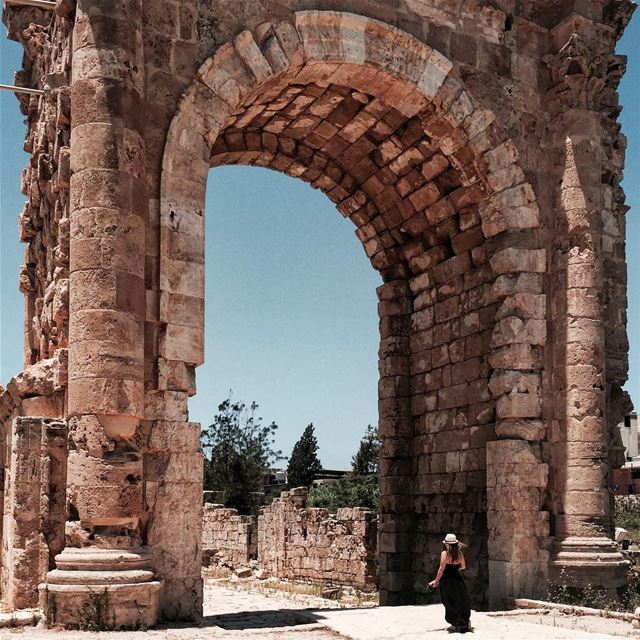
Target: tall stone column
103, 576
582, 102
584, 552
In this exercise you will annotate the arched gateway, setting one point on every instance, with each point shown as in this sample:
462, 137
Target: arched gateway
479, 160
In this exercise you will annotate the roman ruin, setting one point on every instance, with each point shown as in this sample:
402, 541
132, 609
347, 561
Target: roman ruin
473, 144
291, 541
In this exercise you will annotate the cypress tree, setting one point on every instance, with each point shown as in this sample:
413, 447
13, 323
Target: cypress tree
365, 461
304, 462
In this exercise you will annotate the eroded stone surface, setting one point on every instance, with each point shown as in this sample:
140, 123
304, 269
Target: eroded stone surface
295, 542
228, 538
476, 151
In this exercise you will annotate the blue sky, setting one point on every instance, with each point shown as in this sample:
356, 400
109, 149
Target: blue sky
291, 305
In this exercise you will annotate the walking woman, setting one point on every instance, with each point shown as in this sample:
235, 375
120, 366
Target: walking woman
453, 589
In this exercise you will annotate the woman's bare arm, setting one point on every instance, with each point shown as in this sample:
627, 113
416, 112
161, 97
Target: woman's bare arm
463, 562
443, 564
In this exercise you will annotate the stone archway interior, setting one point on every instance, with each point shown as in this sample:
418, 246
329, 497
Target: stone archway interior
433, 190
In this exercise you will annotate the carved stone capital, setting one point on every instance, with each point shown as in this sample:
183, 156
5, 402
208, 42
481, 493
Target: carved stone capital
617, 14
584, 78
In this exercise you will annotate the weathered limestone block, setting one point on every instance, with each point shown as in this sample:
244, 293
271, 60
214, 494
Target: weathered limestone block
37, 380
173, 495
518, 528
34, 507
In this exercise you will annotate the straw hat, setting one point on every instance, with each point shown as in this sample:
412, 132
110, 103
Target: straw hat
450, 538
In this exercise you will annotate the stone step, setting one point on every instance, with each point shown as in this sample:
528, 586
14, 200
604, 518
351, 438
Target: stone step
104, 578
92, 559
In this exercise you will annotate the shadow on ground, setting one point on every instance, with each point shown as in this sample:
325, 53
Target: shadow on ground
260, 619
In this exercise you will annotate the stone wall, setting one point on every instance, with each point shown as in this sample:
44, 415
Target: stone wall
33, 405
228, 538
298, 543
33, 462
173, 520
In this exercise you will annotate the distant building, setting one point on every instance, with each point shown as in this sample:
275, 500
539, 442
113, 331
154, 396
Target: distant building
275, 480
626, 480
328, 475
629, 434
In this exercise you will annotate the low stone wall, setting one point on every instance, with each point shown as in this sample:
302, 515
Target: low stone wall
295, 542
228, 538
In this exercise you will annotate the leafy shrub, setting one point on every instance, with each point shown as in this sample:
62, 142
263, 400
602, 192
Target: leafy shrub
238, 447
597, 597
352, 491
627, 514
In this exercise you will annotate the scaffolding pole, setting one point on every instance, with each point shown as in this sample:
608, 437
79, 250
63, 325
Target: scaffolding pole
14, 89
40, 4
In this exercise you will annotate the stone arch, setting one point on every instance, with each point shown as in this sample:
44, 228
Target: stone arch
384, 126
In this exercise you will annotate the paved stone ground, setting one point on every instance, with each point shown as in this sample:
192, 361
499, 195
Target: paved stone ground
233, 613
427, 623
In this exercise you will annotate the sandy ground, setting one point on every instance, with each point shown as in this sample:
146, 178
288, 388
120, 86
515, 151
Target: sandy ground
238, 613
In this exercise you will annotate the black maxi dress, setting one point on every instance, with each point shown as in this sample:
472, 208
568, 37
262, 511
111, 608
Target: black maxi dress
455, 597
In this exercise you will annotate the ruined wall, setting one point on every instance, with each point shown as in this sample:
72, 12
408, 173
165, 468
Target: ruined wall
298, 543
44, 221
293, 542
33, 462
34, 508
228, 538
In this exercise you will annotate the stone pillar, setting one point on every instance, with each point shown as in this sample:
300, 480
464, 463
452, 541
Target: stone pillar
34, 513
518, 528
584, 551
582, 103
397, 521
103, 576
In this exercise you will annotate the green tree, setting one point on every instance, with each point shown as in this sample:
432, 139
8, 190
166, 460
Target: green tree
365, 461
304, 462
238, 448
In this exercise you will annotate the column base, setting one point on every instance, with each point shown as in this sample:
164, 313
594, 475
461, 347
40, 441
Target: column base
101, 589
582, 562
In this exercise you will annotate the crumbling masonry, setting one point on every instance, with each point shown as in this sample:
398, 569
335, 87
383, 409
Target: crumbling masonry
294, 542
473, 145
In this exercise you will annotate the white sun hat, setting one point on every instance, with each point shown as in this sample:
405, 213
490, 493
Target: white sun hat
450, 538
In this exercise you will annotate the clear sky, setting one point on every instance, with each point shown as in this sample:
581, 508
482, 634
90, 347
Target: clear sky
291, 305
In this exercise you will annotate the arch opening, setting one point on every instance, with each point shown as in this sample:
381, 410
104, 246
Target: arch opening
382, 125
285, 325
